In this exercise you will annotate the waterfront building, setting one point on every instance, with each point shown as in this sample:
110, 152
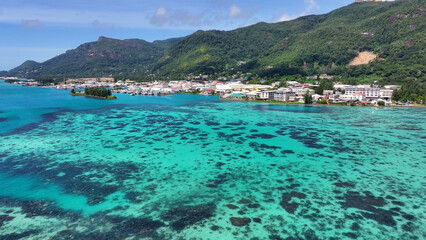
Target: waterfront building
352, 97
334, 97
283, 95
386, 94
267, 95
294, 99
253, 95
370, 93
317, 97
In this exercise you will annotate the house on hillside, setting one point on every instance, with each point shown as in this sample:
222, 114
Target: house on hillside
106, 79
341, 87
327, 92
300, 91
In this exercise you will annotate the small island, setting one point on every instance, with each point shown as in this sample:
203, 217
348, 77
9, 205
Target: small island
95, 92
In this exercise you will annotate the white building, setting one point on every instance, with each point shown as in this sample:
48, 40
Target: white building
302, 91
223, 88
267, 95
283, 95
253, 95
327, 92
292, 83
386, 93
353, 97
236, 86
317, 97
367, 91
341, 86
334, 97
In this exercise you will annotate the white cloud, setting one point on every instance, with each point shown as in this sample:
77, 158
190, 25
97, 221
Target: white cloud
161, 12
310, 6
75, 18
220, 15
286, 17
234, 11
163, 16
31, 24
160, 17
237, 12
102, 25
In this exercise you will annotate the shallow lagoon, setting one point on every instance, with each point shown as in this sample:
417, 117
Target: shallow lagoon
184, 166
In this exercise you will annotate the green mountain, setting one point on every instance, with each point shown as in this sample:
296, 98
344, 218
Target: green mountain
25, 67
394, 31
101, 58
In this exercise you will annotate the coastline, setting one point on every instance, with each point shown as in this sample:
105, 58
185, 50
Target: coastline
256, 101
338, 105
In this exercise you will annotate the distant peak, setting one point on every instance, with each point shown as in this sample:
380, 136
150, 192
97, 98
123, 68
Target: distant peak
103, 39
31, 61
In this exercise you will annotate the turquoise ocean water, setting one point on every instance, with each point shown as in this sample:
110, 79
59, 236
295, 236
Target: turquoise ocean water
194, 167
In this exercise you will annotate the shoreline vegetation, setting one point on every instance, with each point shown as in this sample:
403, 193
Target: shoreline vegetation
98, 93
91, 96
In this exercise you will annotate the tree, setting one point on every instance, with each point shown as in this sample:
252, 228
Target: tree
307, 98
414, 91
381, 103
325, 84
98, 92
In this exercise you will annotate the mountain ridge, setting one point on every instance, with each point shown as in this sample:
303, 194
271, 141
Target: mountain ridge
309, 45
105, 56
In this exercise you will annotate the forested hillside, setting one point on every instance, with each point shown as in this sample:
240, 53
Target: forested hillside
395, 31
101, 58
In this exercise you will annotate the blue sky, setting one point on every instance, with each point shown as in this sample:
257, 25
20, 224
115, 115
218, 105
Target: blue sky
41, 29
